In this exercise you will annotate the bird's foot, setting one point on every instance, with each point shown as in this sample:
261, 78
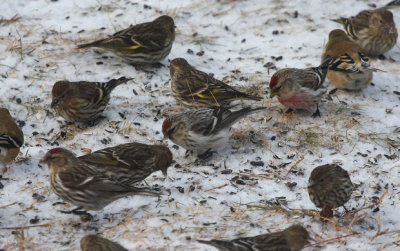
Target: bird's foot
316, 113
143, 69
96, 121
333, 91
85, 216
381, 57
207, 154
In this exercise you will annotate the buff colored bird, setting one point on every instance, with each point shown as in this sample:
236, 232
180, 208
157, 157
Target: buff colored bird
350, 70
373, 30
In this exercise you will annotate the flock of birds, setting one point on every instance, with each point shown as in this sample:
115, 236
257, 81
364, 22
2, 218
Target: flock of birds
92, 181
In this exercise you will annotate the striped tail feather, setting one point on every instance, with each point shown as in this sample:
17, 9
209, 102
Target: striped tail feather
7, 141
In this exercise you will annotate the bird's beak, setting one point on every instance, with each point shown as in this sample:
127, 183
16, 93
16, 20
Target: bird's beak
54, 103
273, 94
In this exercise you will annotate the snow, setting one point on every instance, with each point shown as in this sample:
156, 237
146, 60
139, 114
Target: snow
356, 129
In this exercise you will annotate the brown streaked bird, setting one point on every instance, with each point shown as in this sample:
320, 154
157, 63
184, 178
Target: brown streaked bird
373, 30
80, 184
130, 163
197, 89
11, 138
204, 129
293, 238
144, 43
82, 101
94, 242
300, 88
350, 70
329, 187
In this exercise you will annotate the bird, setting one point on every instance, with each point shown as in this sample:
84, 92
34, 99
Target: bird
194, 88
293, 238
203, 129
82, 101
129, 163
141, 44
300, 88
94, 242
373, 30
329, 187
11, 138
350, 69
81, 184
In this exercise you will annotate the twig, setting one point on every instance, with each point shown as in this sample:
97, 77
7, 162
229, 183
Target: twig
328, 240
373, 204
8, 205
254, 175
21, 228
295, 164
221, 186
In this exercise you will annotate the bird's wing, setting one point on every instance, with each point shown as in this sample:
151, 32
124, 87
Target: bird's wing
82, 181
8, 141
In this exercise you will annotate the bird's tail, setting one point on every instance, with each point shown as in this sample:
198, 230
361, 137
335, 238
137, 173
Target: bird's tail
223, 245
142, 191
97, 43
110, 85
326, 63
393, 3
236, 115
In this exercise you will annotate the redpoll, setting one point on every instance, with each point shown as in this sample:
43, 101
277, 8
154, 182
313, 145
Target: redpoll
351, 70
293, 238
373, 30
81, 184
11, 137
144, 43
82, 101
300, 88
203, 129
195, 88
96, 243
329, 187
130, 163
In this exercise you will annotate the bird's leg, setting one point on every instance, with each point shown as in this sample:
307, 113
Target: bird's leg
157, 65
85, 216
96, 121
74, 211
188, 153
317, 113
332, 91
326, 212
289, 110
143, 68
207, 154
381, 57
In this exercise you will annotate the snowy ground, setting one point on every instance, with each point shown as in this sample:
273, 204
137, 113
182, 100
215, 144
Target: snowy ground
257, 184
